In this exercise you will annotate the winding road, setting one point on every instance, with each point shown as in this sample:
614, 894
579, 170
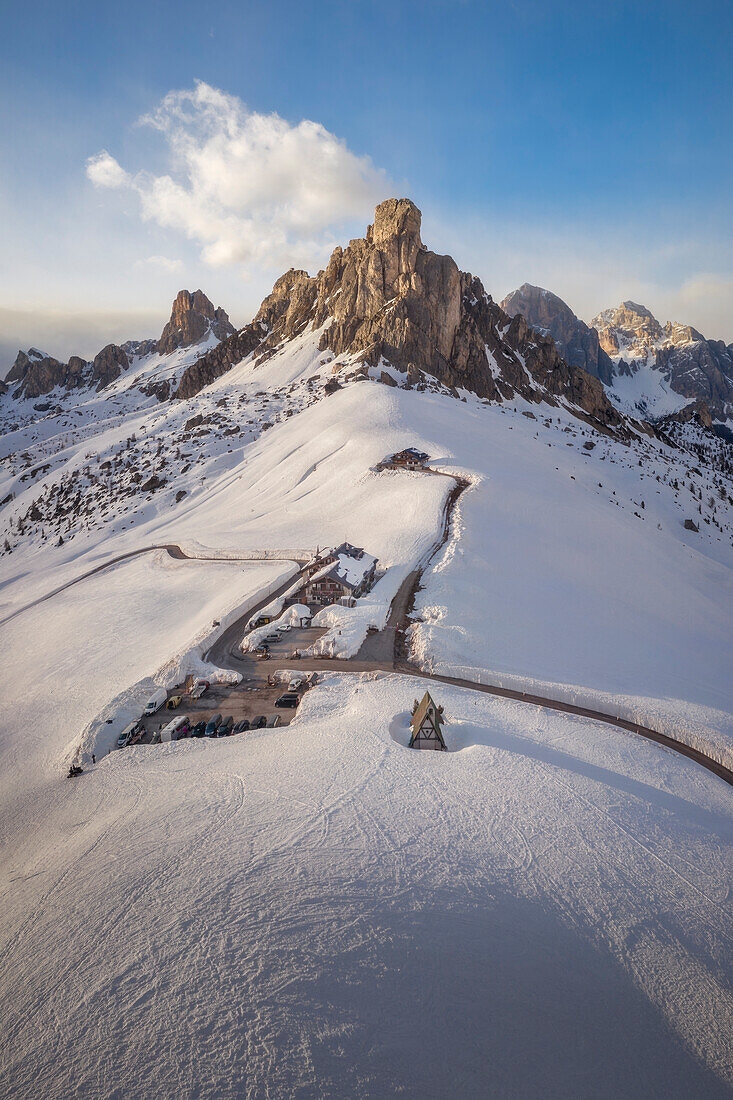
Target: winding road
383, 651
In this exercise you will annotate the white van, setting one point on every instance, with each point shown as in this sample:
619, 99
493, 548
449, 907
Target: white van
172, 731
128, 733
156, 701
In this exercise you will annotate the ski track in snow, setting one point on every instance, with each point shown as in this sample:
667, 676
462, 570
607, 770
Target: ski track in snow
270, 915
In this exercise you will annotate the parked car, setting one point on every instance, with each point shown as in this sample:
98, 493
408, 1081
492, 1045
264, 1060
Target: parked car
258, 722
127, 734
199, 729
272, 638
156, 701
295, 685
212, 725
174, 701
284, 627
289, 699
225, 727
200, 687
276, 720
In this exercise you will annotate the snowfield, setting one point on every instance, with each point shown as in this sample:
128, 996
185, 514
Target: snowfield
317, 911
138, 625
288, 912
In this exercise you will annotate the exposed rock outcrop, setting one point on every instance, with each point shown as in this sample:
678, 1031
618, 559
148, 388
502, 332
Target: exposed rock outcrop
692, 366
193, 317
108, 365
578, 344
387, 299
37, 373
630, 327
219, 360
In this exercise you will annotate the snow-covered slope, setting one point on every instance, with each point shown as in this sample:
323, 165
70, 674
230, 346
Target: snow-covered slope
279, 914
317, 911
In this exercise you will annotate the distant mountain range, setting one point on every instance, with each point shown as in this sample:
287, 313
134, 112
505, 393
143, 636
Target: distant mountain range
650, 370
385, 303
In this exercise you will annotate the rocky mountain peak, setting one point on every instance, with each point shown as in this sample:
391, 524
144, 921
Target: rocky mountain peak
193, 317
386, 299
630, 328
551, 316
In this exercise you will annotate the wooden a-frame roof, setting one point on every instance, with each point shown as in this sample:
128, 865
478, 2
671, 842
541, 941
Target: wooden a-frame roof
426, 710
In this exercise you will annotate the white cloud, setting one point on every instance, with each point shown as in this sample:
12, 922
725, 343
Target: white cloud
248, 188
162, 263
104, 171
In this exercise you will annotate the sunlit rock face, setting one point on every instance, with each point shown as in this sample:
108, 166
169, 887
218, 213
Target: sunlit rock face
386, 298
578, 344
192, 318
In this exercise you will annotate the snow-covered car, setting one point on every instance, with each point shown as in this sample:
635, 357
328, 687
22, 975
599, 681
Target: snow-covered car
284, 627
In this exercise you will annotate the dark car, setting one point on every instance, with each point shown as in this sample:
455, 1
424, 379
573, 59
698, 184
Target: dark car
212, 725
225, 727
199, 729
258, 722
289, 699
242, 726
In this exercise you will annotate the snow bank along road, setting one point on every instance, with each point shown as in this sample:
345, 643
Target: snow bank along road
380, 653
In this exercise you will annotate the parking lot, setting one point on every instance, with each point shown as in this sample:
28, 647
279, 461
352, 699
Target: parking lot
252, 698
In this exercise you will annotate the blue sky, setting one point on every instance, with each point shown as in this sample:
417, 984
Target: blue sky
582, 147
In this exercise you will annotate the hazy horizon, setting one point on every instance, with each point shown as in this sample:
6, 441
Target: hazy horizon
573, 149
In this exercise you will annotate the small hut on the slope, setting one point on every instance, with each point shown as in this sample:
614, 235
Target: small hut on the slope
426, 722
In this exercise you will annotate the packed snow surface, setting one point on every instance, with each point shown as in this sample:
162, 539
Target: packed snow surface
286, 912
317, 910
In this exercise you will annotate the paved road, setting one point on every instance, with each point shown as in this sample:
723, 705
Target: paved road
381, 652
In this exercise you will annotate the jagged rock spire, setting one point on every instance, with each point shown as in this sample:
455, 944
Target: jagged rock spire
193, 317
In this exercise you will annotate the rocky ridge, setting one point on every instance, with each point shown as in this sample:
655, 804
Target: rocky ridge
549, 315
694, 367
386, 300
193, 318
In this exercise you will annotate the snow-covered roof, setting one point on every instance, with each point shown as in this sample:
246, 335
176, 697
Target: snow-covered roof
347, 569
411, 452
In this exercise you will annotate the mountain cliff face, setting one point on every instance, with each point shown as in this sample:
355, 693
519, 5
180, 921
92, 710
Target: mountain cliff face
578, 344
695, 368
193, 317
386, 300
